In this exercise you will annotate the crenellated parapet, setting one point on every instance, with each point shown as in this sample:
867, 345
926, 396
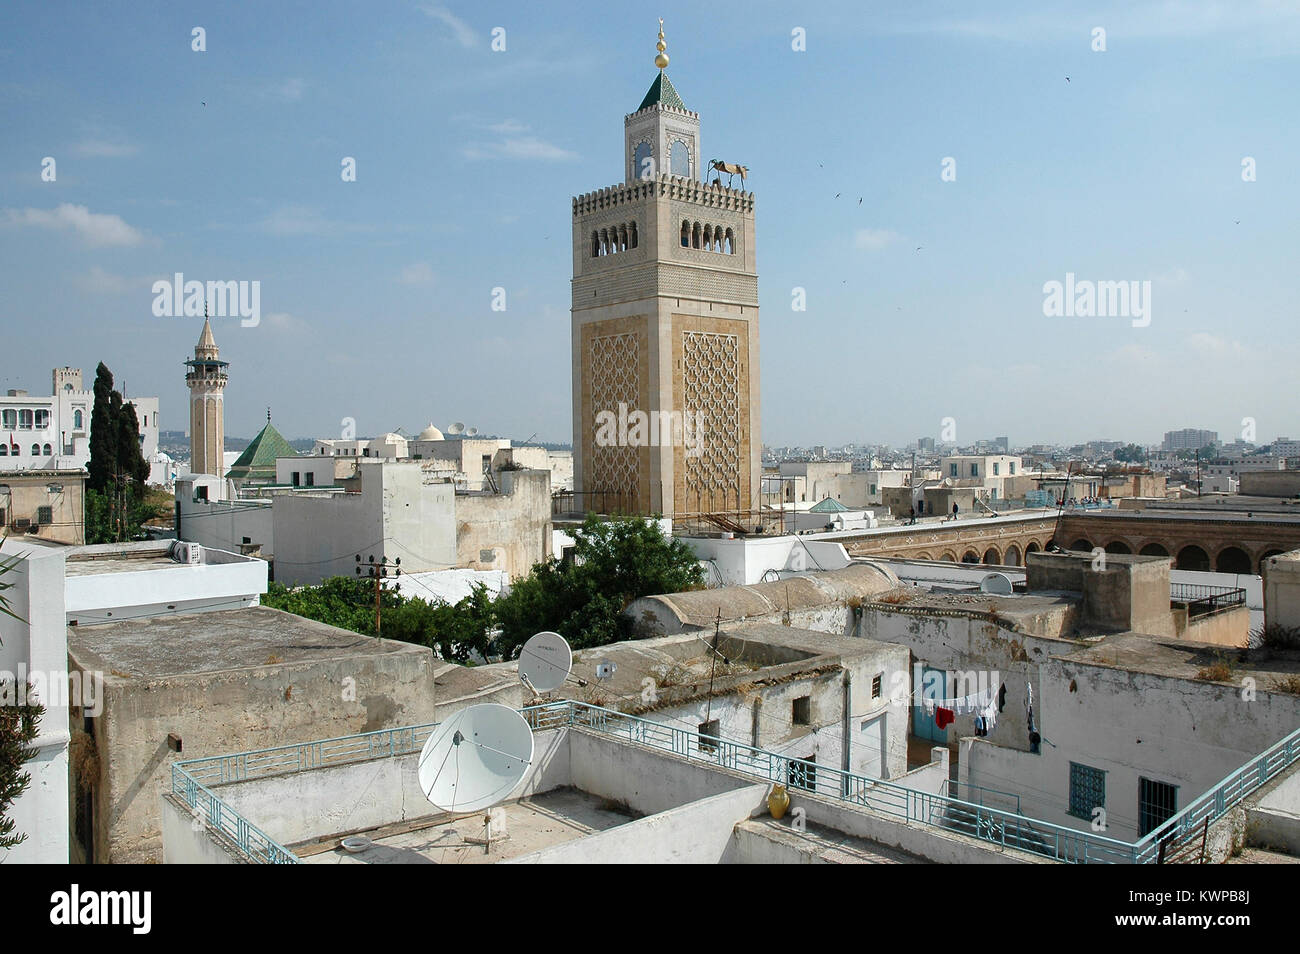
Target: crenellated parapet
681, 188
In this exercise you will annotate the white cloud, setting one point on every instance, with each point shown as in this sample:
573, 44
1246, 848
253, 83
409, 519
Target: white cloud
102, 148
1206, 343
94, 228
100, 282
463, 32
875, 239
283, 321
418, 274
514, 143
291, 90
298, 220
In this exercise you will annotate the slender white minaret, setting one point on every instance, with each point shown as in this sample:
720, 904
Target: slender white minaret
207, 382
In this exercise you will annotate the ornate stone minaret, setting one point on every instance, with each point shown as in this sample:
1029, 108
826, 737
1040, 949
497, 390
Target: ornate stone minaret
207, 382
665, 321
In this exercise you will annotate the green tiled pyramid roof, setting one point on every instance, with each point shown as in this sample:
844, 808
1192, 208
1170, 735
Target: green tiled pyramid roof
662, 92
829, 505
258, 458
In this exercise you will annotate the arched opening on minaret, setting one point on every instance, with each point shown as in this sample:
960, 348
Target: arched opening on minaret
595, 244
633, 234
695, 236
686, 234
730, 243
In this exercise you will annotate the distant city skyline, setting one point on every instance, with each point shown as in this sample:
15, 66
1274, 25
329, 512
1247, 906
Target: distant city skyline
925, 297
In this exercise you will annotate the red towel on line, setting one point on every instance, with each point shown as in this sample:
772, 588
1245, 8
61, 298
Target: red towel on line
943, 717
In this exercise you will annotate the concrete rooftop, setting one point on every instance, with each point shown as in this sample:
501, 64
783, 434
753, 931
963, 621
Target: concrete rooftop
1135, 652
217, 641
546, 819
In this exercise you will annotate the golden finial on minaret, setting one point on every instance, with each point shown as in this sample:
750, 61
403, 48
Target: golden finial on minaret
661, 60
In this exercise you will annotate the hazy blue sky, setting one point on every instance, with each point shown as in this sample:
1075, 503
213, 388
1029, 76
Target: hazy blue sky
376, 294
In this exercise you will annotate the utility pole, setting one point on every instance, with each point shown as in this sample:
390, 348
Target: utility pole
379, 572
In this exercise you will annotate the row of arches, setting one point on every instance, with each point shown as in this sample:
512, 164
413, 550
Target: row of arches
38, 450
612, 240
711, 238
1228, 559
1012, 556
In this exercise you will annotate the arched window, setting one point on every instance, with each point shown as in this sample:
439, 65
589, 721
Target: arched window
4, 450
604, 241
695, 235
708, 237
595, 253
76, 419
36, 450
680, 157
633, 235
717, 239
730, 243
622, 238
47, 450
643, 164
686, 234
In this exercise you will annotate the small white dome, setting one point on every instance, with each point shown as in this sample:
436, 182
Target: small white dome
430, 433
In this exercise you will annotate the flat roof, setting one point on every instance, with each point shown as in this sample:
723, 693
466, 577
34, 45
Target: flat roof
216, 642
1181, 659
542, 821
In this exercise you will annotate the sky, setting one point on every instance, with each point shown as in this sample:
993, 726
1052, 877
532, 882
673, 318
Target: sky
1167, 157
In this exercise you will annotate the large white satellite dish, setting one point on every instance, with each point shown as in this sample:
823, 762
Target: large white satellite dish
545, 661
471, 431
456, 428
475, 758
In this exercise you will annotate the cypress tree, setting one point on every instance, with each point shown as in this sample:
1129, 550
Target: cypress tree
103, 433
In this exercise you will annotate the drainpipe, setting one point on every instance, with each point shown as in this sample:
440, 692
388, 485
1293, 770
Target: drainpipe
846, 731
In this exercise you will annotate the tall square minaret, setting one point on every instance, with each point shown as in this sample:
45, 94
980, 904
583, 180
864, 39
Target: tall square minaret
665, 328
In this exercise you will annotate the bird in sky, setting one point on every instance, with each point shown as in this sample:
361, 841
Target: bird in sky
859, 200
837, 195
1067, 79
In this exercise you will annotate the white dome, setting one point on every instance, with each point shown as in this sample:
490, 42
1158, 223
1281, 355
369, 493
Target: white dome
391, 438
430, 433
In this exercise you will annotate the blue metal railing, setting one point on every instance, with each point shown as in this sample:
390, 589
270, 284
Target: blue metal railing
1006, 828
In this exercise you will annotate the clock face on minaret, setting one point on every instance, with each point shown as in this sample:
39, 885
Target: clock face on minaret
665, 327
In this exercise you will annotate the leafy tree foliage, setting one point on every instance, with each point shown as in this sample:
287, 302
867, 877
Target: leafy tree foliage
115, 487
1131, 454
583, 599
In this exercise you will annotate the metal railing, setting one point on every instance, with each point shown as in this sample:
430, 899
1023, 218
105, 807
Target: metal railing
1203, 599
1215, 803
1006, 828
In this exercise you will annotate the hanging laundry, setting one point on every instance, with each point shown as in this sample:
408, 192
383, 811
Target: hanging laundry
943, 717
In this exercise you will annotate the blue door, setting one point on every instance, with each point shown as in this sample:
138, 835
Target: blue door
934, 685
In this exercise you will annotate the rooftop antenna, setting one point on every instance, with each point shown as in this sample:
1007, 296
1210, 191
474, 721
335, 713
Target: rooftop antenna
474, 760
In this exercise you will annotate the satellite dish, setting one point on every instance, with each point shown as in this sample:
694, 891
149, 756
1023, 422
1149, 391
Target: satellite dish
457, 428
545, 661
476, 758
470, 432
998, 584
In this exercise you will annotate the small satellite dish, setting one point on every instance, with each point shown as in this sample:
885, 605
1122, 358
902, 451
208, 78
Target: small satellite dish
998, 584
476, 758
470, 432
545, 661
605, 669
457, 428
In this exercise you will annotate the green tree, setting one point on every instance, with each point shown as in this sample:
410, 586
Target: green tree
103, 433
616, 562
115, 487
1131, 454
